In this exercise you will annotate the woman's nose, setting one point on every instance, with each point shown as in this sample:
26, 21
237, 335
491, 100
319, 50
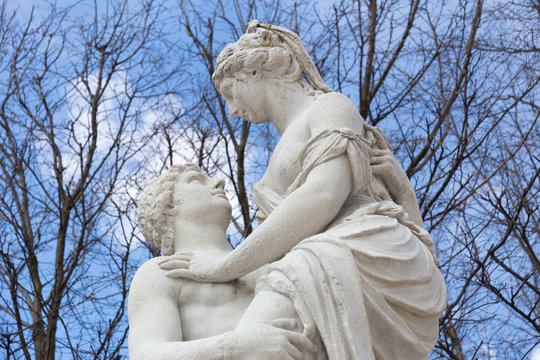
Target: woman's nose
233, 110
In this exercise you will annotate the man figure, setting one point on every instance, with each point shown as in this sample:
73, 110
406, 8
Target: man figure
172, 318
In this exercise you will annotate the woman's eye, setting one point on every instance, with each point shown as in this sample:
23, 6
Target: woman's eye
193, 178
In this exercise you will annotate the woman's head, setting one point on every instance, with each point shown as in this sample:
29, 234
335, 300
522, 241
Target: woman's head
267, 52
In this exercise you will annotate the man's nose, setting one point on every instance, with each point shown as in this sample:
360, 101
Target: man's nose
219, 184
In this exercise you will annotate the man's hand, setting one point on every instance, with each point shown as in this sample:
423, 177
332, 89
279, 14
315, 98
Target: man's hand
268, 341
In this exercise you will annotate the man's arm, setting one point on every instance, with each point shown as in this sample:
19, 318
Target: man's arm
155, 330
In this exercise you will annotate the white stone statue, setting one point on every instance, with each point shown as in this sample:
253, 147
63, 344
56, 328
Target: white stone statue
351, 265
171, 318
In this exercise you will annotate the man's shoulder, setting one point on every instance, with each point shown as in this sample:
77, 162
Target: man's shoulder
153, 310
150, 268
151, 279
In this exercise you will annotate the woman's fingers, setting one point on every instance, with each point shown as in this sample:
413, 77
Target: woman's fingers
177, 256
175, 264
180, 273
283, 323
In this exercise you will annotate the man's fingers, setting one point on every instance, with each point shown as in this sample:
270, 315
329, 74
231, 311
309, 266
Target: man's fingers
380, 138
294, 352
300, 341
283, 323
175, 264
380, 157
377, 168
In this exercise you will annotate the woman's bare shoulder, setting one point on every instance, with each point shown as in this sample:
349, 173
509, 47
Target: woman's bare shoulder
333, 110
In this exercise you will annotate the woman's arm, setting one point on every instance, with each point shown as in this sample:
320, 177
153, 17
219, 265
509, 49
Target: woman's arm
303, 213
310, 208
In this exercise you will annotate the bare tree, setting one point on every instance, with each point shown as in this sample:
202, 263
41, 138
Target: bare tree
454, 85
78, 90
95, 104
243, 151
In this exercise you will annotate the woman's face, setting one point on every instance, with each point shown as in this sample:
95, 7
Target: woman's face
246, 99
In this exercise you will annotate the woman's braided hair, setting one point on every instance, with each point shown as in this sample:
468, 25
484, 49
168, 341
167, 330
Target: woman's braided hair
268, 49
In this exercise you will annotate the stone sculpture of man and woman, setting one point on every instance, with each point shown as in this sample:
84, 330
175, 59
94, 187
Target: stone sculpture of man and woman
340, 266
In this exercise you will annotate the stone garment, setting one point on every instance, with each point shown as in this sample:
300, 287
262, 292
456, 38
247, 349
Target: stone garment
368, 286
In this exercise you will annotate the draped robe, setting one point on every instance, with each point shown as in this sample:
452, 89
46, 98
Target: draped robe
368, 286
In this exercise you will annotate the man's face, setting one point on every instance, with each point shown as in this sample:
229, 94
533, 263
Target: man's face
200, 198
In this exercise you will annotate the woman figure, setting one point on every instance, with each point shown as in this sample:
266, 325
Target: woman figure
339, 218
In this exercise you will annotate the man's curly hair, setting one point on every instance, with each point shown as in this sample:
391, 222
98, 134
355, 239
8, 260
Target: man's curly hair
156, 205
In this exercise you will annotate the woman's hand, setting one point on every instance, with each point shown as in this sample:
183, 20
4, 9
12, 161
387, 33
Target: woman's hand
385, 166
267, 341
199, 266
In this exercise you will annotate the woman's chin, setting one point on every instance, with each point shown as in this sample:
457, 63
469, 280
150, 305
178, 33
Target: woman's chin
255, 120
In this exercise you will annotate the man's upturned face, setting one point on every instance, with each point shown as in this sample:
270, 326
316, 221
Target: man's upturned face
200, 198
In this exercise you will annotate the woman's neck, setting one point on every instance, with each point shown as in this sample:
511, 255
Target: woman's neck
285, 103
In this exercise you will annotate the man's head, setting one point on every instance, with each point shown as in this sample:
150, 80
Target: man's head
182, 191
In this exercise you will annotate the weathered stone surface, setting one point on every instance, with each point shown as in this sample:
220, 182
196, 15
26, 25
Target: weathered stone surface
352, 269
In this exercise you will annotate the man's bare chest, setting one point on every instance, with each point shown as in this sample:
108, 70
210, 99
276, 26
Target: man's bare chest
208, 309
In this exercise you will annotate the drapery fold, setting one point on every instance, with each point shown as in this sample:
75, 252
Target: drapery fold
368, 285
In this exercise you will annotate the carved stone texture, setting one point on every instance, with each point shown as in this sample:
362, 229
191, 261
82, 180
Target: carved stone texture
352, 273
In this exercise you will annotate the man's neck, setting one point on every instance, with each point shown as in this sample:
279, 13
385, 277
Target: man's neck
199, 237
